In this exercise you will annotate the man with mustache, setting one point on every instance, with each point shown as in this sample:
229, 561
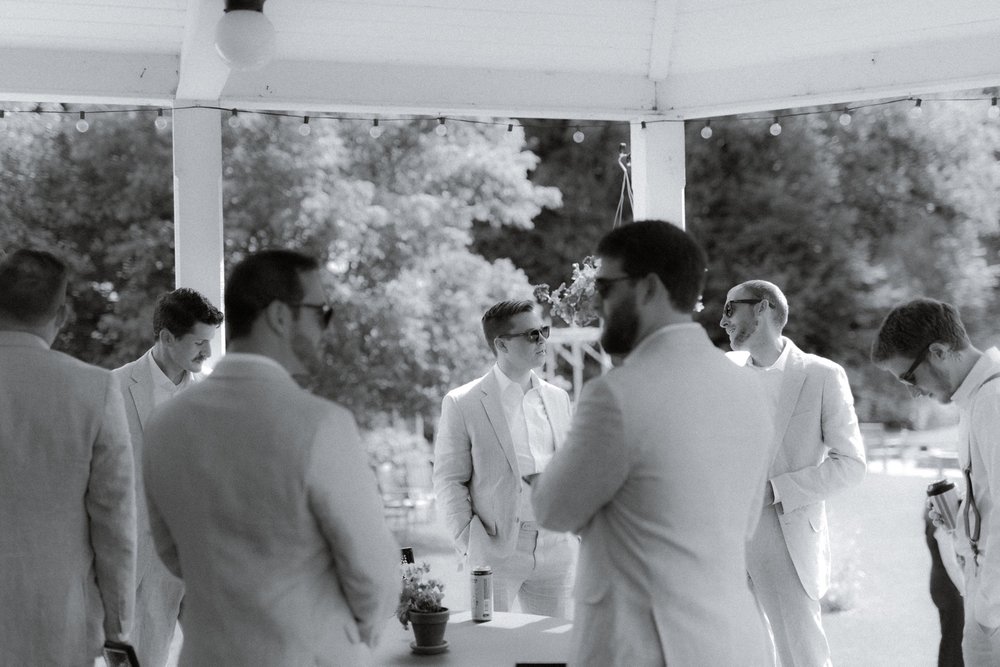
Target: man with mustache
662, 473
818, 452
184, 323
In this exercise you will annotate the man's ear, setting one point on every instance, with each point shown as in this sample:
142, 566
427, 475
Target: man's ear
939, 350
500, 344
166, 337
277, 316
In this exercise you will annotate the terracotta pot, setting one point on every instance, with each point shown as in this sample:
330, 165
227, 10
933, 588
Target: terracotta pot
429, 626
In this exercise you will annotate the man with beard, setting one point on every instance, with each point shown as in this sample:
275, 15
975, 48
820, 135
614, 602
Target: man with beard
493, 432
662, 471
260, 495
184, 323
924, 344
818, 452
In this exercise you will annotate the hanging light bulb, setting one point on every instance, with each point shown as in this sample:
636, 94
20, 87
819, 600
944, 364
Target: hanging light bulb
234, 119
775, 128
917, 110
994, 111
375, 131
579, 136
161, 121
82, 125
244, 38
706, 132
845, 118
304, 128
642, 124
441, 129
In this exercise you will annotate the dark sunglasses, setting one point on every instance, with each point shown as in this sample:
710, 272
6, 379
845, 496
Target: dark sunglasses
324, 310
533, 335
906, 377
603, 285
728, 309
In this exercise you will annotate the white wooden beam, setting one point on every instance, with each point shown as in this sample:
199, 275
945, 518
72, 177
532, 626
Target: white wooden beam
658, 171
662, 39
202, 73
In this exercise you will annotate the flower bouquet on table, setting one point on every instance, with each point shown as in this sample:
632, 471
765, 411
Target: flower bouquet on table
420, 605
575, 303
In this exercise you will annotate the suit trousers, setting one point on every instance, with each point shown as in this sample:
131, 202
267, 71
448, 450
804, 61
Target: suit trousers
795, 619
538, 574
980, 646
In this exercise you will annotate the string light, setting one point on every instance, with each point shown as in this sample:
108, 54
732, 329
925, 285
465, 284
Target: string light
3, 120
994, 111
706, 132
234, 118
775, 128
161, 121
917, 110
375, 131
642, 124
82, 125
304, 128
510, 127
441, 129
579, 136
845, 118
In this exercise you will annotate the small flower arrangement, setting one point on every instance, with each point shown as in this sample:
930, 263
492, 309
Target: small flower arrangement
418, 594
574, 303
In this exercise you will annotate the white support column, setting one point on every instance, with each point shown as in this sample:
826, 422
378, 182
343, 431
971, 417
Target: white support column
658, 177
198, 249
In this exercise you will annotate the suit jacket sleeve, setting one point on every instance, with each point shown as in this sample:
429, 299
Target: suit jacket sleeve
343, 497
844, 464
589, 469
110, 503
453, 471
985, 425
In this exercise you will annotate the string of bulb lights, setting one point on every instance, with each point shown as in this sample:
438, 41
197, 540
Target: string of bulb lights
377, 127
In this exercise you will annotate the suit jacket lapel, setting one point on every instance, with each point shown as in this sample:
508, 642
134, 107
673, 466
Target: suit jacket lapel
141, 390
555, 416
791, 386
498, 419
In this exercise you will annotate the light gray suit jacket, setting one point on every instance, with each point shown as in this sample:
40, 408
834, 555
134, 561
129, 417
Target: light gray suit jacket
663, 475
158, 592
262, 501
476, 476
67, 507
819, 452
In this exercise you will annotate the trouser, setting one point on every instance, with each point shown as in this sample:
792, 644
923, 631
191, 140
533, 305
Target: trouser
538, 574
980, 646
794, 618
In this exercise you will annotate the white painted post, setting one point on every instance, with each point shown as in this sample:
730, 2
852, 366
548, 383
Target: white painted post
658, 177
198, 249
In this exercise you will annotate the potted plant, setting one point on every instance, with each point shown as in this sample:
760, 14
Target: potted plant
420, 604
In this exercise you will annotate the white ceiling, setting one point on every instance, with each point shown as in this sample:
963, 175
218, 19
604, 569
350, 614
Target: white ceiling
611, 59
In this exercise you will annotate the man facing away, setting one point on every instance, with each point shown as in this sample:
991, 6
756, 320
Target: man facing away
260, 496
493, 431
184, 323
818, 452
662, 473
67, 494
923, 343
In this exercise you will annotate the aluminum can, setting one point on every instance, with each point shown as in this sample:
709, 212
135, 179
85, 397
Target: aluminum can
482, 593
943, 496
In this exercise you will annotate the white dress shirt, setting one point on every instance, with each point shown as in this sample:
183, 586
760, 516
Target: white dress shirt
163, 387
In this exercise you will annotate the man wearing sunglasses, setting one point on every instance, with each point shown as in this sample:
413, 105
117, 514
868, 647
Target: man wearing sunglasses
493, 433
923, 343
184, 323
817, 452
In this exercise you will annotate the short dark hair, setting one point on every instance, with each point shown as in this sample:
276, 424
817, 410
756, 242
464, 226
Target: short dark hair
911, 327
768, 291
658, 247
180, 310
260, 279
496, 320
32, 285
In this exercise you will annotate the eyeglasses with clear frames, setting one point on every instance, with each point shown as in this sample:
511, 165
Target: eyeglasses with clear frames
533, 335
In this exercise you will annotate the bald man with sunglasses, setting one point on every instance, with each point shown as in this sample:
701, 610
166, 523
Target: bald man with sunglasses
494, 432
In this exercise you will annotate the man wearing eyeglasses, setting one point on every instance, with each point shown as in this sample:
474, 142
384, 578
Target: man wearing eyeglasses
818, 452
184, 323
260, 495
493, 432
923, 343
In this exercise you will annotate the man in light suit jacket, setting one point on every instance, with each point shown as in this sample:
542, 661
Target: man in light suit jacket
493, 431
260, 495
184, 323
67, 497
662, 473
819, 452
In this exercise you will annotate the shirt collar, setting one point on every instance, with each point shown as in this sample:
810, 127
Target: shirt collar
987, 365
23, 338
249, 357
779, 363
662, 331
160, 378
506, 383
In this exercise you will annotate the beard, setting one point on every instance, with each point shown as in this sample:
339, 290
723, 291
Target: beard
620, 329
741, 335
308, 353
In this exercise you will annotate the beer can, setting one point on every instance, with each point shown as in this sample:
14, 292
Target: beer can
943, 496
482, 593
